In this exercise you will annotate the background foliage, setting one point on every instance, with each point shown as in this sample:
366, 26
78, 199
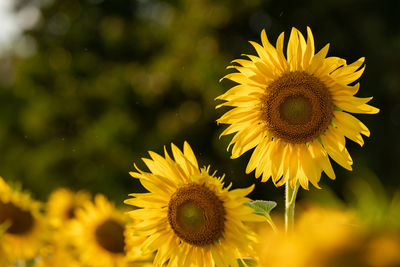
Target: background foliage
93, 85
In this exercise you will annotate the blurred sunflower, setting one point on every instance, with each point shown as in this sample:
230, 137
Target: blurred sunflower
62, 205
57, 254
329, 237
98, 233
24, 225
188, 216
3, 257
294, 110
321, 239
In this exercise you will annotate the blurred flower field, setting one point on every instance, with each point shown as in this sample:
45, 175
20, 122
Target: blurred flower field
100, 99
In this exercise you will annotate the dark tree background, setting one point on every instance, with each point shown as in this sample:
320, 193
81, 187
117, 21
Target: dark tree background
94, 85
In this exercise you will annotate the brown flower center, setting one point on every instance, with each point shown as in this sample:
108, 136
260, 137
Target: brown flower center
297, 107
196, 215
70, 212
21, 221
110, 236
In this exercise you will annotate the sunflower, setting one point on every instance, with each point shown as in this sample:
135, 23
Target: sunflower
57, 253
24, 226
3, 257
188, 216
62, 205
323, 237
98, 233
294, 111
61, 210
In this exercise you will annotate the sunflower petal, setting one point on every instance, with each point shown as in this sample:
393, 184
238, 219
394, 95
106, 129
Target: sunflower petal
318, 59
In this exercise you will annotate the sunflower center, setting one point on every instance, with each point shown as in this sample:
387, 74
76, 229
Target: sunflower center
70, 212
196, 215
110, 236
21, 221
297, 107
190, 215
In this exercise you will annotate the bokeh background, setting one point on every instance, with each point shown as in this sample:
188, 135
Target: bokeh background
87, 87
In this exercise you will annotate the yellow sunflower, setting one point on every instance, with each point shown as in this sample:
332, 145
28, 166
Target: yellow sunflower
23, 223
98, 233
323, 237
294, 110
188, 216
62, 205
3, 256
57, 253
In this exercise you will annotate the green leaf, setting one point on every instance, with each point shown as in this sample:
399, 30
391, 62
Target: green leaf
262, 207
248, 262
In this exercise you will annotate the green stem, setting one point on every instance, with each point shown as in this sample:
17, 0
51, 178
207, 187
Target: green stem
290, 200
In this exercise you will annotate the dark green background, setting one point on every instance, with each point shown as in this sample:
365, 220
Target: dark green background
113, 79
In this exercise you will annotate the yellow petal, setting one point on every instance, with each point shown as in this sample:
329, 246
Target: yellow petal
309, 52
234, 128
271, 51
351, 122
240, 78
292, 50
354, 104
243, 62
348, 69
182, 161
333, 144
240, 90
257, 155
318, 59
265, 161
310, 168
343, 90
260, 51
330, 64
267, 72
241, 192
237, 114
320, 156
279, 50
143, 202
188, 152
246, 140
348, 78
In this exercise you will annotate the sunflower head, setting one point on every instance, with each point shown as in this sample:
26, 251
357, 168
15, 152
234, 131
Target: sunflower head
63, 204
321, 238
188, 216
294, 110
98, 233
3, 256
21, 224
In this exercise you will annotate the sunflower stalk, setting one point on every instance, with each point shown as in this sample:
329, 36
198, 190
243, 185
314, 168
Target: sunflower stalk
290, 200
